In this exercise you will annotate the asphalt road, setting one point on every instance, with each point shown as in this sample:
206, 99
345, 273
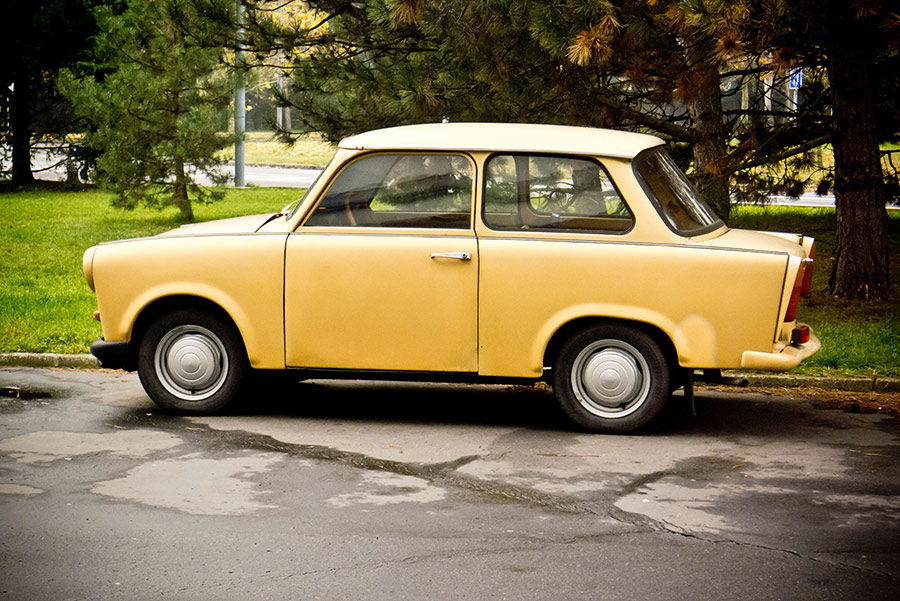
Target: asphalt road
269, 176
361, 490
47, 167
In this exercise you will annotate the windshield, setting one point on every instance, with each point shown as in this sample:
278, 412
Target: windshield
292, 207
674, 196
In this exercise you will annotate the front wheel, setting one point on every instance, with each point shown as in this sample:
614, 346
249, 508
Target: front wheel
192, 362
611, 378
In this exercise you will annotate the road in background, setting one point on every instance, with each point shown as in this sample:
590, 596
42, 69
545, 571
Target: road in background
270, 176
48, 166
285, 176
804, 200
380, 490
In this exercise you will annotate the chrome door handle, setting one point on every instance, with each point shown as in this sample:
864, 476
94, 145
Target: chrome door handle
461, 256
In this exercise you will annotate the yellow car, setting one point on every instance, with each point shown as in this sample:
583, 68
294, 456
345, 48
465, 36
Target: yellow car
463, 252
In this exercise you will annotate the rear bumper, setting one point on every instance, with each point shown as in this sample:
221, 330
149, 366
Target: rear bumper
788, 357
112, 354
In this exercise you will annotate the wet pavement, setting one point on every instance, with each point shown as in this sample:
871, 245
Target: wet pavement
375, 490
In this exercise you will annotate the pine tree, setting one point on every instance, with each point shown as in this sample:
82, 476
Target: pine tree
855, 43
38, 38
659, 66
161, 108
652, 66
861, 269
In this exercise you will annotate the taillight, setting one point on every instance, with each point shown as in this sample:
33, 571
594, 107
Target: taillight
791, 313
800, 335
809, 263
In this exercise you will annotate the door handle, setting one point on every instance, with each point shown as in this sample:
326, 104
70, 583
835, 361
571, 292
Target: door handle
460, 256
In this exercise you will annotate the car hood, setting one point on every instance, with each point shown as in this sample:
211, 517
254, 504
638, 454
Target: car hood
761, 241
235, 225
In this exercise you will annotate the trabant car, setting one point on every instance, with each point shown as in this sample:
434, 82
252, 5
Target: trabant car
463, 252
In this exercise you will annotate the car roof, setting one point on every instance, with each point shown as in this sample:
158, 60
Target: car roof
504, 137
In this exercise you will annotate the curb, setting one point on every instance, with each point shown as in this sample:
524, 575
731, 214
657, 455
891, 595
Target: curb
845, 383
48, 360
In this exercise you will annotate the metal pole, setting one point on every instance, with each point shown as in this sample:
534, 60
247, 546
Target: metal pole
240, 101
279, 110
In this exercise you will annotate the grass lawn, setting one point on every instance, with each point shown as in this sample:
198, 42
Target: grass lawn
260, 147
45, 305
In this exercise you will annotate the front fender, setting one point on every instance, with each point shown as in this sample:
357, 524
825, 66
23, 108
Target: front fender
243, 274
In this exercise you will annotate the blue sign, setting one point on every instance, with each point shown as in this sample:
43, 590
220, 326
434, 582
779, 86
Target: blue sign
795, 82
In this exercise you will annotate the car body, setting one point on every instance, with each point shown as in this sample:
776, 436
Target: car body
463, 251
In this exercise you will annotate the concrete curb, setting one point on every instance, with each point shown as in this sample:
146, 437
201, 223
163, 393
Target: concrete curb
48, 360
846, 383
849, 384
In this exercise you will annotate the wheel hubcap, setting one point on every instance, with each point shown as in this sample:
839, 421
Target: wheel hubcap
610, 378
191, 362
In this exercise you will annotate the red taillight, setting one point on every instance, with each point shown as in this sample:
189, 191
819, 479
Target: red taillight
791, 313
800, 335
806, 287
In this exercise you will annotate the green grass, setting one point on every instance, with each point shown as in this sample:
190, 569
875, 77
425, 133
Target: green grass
857, 338
45, 304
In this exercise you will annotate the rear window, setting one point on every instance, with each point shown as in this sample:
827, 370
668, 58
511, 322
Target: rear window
679, 204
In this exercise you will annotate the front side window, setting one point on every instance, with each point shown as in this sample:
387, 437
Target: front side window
675, 197
399, 190
556, 193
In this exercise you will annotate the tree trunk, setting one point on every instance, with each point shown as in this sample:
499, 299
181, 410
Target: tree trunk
20, 124
861, 256
179, 192
705, 110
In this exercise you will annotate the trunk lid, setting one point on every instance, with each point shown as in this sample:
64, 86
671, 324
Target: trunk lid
791, 244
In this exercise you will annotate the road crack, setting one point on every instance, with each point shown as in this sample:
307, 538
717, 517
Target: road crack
446, 474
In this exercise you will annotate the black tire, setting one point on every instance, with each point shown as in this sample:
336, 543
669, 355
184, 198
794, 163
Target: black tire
191, 361
611, 378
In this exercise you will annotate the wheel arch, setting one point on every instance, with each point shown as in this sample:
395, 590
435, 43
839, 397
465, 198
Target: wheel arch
573, 326
167, 304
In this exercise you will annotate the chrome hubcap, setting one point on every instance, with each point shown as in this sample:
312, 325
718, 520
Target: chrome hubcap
610, 378
191, 362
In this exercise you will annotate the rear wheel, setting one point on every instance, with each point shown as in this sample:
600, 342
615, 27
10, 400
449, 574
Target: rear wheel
192, 361
611, 378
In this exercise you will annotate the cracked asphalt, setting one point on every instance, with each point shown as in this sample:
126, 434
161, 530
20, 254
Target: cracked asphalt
377, 490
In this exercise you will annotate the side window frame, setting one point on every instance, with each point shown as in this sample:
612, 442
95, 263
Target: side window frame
549, 230
473, 166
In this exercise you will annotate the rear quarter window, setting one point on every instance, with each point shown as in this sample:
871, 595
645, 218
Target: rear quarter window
675, 198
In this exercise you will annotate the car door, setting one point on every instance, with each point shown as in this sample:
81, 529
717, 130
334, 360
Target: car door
383, 273
550, 250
